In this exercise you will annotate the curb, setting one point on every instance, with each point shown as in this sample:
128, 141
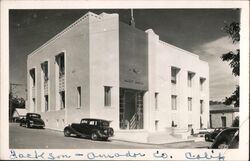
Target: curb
130, 141
145, 143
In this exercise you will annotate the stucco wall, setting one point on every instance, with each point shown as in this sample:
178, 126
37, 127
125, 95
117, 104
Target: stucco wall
104, 67
216, 119
164, 56
74, 43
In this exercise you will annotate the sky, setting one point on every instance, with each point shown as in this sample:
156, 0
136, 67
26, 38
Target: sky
196, 30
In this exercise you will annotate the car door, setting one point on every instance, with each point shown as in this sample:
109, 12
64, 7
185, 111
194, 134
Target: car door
83, 126
91, 125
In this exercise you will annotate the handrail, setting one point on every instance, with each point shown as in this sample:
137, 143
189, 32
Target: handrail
133, 123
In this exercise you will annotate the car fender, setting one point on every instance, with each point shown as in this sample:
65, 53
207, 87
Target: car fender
96, 131
73, 131
69, 128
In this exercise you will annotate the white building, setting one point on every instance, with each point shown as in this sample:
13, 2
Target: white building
99, 67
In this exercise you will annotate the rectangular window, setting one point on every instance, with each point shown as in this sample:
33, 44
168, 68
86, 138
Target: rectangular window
156, 101
201, 106
79, 97
34, 103
61, 64
33, 77
107, 96
62, 99
156, 125
202, 80
44, 66
46, 100
174, 72
174, 102
189, 80
189, 104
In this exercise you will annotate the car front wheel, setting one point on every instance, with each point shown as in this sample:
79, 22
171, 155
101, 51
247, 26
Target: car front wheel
67, 132
94, 136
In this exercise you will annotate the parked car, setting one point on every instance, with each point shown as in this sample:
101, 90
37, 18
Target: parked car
93, 128
228, 138
211, 135
32, 120
201, 132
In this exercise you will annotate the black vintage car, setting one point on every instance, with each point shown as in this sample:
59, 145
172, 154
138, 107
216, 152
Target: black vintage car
93, 128
227, 139
32, 120
211, 135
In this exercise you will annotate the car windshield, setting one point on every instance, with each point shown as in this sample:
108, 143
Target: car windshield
34, 115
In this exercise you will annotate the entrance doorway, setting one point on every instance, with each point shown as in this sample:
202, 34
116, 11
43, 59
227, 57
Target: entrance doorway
131, 109
224, 121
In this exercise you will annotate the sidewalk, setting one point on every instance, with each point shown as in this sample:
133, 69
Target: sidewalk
156, 139
152, 138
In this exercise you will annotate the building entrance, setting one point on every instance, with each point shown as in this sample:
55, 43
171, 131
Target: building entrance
131, 109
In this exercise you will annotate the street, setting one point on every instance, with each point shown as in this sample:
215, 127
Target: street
29, 138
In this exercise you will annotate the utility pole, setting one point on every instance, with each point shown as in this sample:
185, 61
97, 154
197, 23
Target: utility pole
132, 20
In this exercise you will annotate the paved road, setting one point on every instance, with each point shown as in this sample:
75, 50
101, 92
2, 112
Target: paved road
28, 138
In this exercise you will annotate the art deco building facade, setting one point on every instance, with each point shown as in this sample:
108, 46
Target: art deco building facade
99, 67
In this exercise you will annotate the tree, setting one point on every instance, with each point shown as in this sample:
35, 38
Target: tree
15, 102
233, 57
236, 122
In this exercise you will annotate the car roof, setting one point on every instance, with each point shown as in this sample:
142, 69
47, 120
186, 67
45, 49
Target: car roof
33, 114
94, 119
230, 129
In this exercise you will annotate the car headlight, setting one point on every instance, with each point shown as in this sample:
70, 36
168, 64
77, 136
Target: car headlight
105, 131
31, 121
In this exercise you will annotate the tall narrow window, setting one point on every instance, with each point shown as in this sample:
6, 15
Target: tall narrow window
190, 78
201, 106
79, 97
156, 125
189, 104
33, 77
174, 102
156, 101
62, 99
107, 96
46, 100
174, 72
61, 64
34, 103
44, 66
202, 80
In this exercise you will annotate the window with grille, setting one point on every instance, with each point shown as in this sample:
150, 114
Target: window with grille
107, 96
189, 104
174, 102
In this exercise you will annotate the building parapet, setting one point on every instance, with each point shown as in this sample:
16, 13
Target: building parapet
65, 30
182, 50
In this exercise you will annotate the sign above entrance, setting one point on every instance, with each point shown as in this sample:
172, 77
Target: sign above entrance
133, 58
